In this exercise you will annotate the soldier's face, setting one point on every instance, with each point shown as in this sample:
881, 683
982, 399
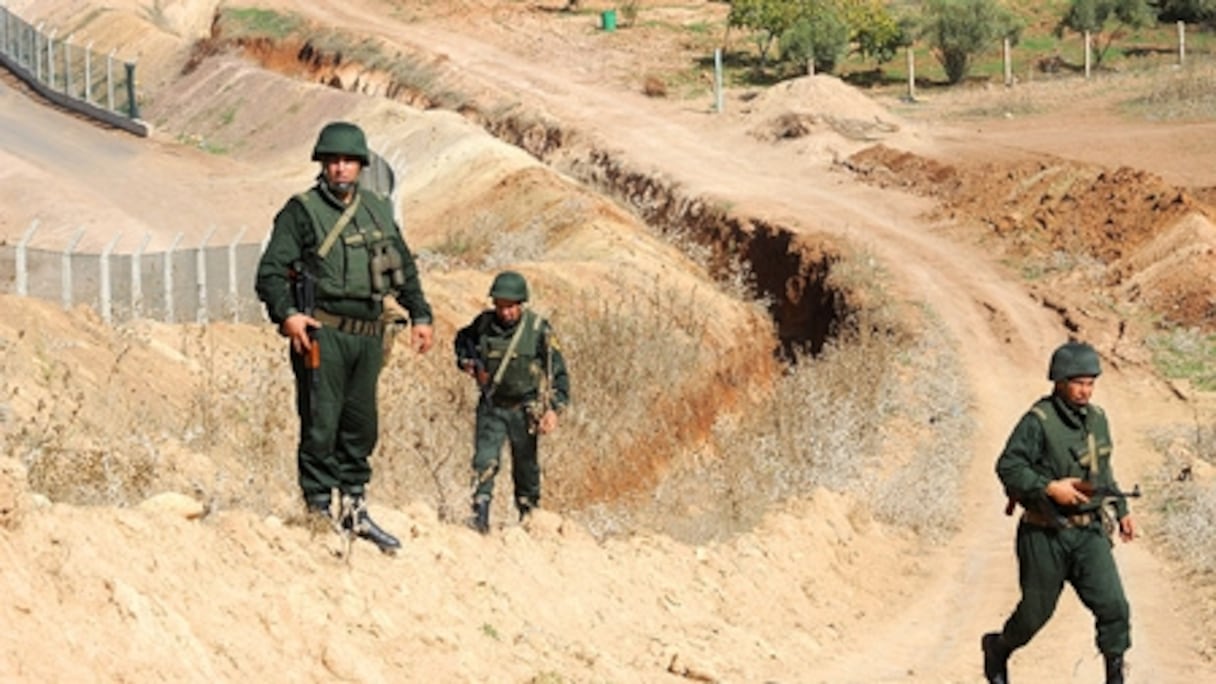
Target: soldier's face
1077, 391
341, 172
508, 311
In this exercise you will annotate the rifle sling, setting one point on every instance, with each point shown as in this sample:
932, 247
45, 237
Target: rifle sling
332, 236
506, 358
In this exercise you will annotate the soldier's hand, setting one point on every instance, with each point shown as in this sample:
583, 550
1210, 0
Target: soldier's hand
421, 338
548, 422
1127, 528
1067, 492
295, 328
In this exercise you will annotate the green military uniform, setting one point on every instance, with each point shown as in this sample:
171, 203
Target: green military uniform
354, 268
1055, 440
508, 406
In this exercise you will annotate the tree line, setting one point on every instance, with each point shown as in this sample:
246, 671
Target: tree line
821, 33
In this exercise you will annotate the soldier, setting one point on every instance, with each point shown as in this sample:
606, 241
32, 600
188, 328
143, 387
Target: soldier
334, 253
1057, 455
513, 354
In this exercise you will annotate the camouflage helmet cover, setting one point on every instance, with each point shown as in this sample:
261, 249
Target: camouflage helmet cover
1073, 360
341, 137
509, 285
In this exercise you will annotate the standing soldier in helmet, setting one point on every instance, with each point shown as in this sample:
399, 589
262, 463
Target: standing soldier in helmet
1056, 458
334, 253
513, 354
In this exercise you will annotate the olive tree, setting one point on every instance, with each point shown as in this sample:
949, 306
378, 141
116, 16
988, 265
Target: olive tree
820, 37
821, 30
1093, 16
958, 30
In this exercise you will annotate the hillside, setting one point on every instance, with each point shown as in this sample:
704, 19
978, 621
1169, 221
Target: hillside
219, 580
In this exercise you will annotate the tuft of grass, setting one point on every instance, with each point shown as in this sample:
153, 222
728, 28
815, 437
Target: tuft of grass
1186, 94
252, 22
1185, 354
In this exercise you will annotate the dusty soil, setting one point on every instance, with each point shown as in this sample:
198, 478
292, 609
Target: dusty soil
818, 592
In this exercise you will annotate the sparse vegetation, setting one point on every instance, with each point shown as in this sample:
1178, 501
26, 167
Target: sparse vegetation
1187, 354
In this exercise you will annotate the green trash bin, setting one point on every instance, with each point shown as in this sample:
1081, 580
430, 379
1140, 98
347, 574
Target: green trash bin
608, 20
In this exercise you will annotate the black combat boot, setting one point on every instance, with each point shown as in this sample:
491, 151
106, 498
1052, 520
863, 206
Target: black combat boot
996, 658
481, 515
525, 506
356, 519
319, 505
1114, 668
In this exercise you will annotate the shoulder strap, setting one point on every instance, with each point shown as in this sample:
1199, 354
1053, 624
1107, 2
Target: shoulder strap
506, 358
332, 236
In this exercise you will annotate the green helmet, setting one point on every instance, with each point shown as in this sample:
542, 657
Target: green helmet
509, 285
341, 137
1073, 360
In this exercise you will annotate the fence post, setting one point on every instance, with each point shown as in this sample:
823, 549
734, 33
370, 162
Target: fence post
1008, 54
1087, 53
1181, 42
66, 273
50, 59
23, 274
911, 75
132, 105
137, 282
88, 73
36, 52
718, 100
67, 66
200, 265
233, 293
105, 298
169, 308
110, 80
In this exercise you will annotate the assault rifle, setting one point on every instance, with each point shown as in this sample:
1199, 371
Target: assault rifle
466, 354
304, 291
1107, 492
1087, 488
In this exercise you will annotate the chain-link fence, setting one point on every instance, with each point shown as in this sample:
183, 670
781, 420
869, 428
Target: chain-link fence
72, 76
183, 283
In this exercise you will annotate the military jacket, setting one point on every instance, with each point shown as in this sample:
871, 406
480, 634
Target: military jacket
487, 339
346, 284
1055, 440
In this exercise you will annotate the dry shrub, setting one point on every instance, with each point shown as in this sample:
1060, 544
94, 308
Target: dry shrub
879, 415
654, 86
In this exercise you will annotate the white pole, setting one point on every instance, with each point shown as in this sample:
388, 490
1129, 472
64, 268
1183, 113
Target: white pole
719, 105
66, 273
1008, 65
1087, 53
110, 81
88, 73
137, 281
106, 303
200, 265
1181, 42
23, 273
233, 292
50, 59
911, 75
169, 317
